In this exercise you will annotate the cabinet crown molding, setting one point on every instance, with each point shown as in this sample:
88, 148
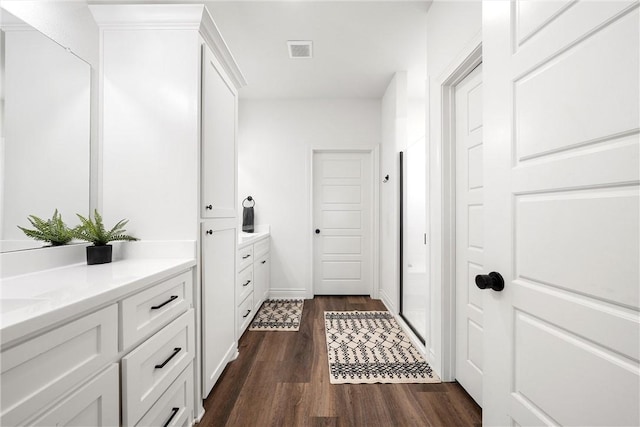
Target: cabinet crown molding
170, 16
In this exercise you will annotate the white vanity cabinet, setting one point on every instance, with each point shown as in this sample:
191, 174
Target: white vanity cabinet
261, 271
164, 321
170, 89
112, 358
252, 283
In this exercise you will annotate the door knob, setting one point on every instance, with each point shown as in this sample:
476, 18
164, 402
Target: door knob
492, 280
317, 231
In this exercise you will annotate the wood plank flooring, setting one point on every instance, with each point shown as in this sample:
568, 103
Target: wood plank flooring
282, 379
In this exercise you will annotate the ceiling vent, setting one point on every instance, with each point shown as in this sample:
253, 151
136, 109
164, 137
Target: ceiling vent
300, 49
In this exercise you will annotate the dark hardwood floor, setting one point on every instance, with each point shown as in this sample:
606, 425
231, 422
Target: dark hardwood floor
282, 379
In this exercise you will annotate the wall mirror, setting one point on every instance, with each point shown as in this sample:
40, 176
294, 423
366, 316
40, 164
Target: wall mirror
45, 105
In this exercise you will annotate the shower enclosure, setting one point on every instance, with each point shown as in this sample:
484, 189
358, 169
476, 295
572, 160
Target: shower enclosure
413, 243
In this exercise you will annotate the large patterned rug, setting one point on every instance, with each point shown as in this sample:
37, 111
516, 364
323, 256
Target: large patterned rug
278, 315
370, 347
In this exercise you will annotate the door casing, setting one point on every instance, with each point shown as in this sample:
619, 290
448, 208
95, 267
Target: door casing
470, 58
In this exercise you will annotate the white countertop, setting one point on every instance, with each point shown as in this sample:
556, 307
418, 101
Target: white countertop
34, 301
246, 239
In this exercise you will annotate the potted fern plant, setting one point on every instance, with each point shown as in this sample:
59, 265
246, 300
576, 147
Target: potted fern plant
53, 230
93, 230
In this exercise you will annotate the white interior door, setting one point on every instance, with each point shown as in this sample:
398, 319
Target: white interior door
469, 233
561, 121
342, 223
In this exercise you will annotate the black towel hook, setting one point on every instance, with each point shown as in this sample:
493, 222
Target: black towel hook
248, 199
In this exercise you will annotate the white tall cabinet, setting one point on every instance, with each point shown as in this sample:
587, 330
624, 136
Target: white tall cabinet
169, 158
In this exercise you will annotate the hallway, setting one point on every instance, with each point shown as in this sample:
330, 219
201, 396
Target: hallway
282, 379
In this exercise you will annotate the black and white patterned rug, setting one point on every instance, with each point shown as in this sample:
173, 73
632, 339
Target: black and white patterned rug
370, 347
278, 315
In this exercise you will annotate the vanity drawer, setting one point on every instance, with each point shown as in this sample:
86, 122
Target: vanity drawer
146, 312
39, 371
175, 406
245, 257
95, 403
245, 284
149, 369
260, 248
245, 314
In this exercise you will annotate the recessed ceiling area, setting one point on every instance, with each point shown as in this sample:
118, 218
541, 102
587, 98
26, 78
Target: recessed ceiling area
357, 46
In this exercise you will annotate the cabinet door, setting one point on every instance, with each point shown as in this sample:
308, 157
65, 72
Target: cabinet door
94, 404
219, 112
37, 372
218, 298
261, 272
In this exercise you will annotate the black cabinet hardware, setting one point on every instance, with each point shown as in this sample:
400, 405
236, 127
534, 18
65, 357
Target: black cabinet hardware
247, 283
317, 231
492, 280
175, 351
174, 411
209, 232
246, 256
209, 207
248, 311
263, 262
155, 307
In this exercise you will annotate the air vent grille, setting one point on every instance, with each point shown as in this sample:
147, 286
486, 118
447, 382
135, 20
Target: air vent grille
300, 49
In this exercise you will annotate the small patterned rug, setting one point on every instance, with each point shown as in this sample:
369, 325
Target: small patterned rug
370, 347
278, 315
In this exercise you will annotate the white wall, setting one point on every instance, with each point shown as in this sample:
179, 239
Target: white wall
394, 139
451, 27
275, 142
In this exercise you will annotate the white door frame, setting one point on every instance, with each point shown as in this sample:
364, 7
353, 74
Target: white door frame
469, 59
375, 212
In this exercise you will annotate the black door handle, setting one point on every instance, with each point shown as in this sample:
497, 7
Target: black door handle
492, 280
317, 231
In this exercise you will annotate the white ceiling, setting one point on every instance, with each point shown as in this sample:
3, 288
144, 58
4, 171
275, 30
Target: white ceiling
357, 46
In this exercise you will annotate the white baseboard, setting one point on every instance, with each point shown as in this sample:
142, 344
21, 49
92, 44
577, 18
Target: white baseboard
288, 293
387, 301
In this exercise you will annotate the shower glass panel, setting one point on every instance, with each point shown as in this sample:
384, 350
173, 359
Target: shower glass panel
413, 254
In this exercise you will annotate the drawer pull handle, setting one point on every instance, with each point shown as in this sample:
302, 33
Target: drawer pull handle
246, 256
247, 283
264, 262
248, 311
174, 411
155, 307
175, 351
